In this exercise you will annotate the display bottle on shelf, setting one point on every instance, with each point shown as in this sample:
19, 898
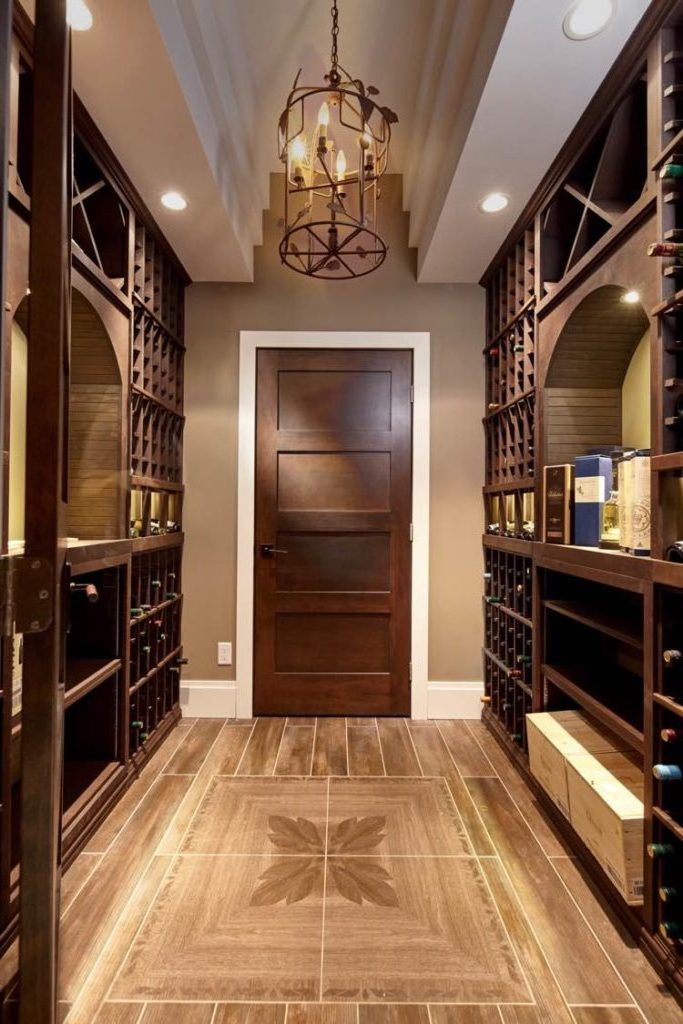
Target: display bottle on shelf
667, 772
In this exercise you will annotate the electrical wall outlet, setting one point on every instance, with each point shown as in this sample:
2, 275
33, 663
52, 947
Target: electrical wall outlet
224, 652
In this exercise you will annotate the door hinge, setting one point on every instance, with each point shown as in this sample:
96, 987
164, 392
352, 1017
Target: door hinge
412, 393
410, 671
25, 594
412, 533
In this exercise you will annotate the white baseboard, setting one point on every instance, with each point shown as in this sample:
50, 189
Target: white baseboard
215, 699
208, 698
454, 700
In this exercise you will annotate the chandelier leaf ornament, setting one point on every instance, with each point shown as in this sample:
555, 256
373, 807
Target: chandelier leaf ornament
334, 144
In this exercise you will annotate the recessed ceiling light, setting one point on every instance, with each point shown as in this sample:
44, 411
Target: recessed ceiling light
174, 201
79, 15
494, 203
587, 18
631, 297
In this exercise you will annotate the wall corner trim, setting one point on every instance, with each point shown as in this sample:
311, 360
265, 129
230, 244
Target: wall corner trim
457, 699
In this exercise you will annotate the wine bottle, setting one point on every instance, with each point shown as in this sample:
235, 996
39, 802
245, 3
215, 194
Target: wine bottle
672, 735
494, 352
668, 893
515, 673
485, 700
137, 725
671, 930
666, 249
493, 406
671, 171
517, 737
493, 600
667, 772
171, 595
672, 657
146, 607
144, 736
146, 650
520, 588
518, 348
488, 575
136, 612
523, 659
657, 850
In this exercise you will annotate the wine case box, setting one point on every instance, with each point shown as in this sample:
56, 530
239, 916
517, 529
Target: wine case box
552, 737
558, 504
606, 810
592, 486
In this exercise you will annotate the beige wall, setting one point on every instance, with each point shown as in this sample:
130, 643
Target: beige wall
635, 397
389, 299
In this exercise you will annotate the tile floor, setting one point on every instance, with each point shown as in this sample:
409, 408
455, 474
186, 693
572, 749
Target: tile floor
340, 872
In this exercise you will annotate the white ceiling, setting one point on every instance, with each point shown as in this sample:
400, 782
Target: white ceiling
188, 93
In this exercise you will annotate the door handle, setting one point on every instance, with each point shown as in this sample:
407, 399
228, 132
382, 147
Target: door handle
268, 549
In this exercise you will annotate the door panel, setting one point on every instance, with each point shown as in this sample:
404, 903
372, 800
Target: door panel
333, 499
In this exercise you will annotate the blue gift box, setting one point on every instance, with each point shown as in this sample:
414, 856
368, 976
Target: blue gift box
592, 486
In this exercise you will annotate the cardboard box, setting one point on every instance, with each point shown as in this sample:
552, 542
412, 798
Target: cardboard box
606, 809
552, 737
558, 504
592, 487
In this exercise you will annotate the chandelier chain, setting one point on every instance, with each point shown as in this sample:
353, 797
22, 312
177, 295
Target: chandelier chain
335, 32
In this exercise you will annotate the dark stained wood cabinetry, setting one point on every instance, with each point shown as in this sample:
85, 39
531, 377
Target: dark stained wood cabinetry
596, 623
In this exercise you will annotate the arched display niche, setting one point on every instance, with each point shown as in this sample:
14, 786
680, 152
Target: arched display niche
596, 393
97, 421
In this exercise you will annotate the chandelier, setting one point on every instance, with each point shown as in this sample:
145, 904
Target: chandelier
334, 144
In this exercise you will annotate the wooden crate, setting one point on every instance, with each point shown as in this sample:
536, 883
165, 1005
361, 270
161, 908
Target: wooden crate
552, 737
606, 809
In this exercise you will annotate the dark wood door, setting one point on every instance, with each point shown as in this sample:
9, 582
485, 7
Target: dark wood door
333, 504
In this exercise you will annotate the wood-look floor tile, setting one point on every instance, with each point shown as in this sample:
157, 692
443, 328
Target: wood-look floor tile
117, 818
443, 1014
296, 750
98, 982
544, 988
393, 1013
76, 877
62, 1011
329, 755
257, 815
394, 817
645, 985
399, 756
250, 1013
118, 1013
360, 722
222, 758
221, 929
365, 754
404, 929
612, 1015
548, 837
178, 1013
190, 754
524, 1015
563, 933
261, 753
88, 921
435, 760
301, 720
468, 756
322, 1013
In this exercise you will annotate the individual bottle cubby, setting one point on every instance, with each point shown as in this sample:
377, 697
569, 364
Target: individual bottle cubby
157, 362
672, 83
94, 639
157, 283
156, 441
666, 854
512, 287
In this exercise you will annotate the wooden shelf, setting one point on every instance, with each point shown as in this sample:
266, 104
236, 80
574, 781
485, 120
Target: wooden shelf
83, 783
515, 545
613, 567
669, 703
577, 682
83, 675
527, 483
600, 619
666, 463
670, 822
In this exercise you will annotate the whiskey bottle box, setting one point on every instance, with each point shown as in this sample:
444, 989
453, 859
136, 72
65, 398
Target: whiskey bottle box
592, 487
558, 504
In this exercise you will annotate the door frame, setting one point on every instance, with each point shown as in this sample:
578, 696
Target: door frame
250, 342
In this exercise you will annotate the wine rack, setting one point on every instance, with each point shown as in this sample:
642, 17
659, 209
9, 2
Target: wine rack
155, 644
157, 362
508, 641
157, 285
156, 442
